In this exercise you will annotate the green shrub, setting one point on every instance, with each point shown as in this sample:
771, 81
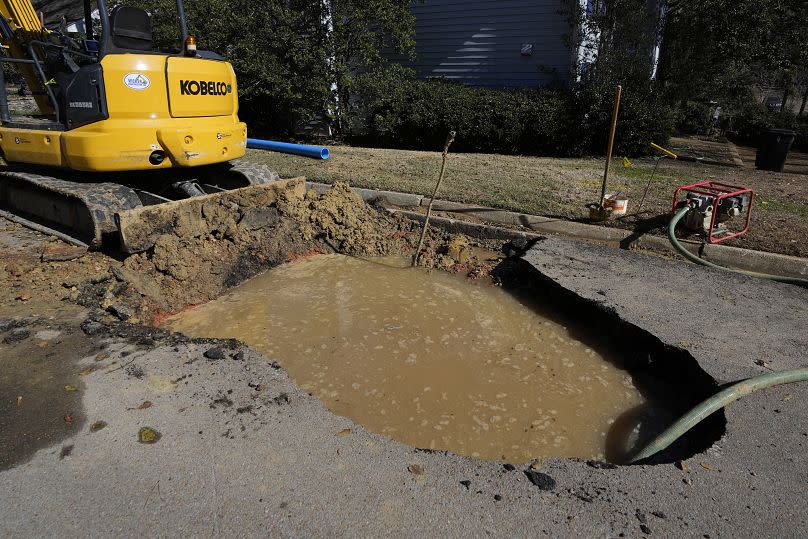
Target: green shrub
644, 117
392, 108
755, 118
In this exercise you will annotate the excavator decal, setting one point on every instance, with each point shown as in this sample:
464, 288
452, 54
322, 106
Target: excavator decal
136, 81
195, 87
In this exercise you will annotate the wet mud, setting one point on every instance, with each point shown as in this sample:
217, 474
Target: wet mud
207, 251
40, 389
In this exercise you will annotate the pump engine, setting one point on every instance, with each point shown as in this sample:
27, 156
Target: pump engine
713, 206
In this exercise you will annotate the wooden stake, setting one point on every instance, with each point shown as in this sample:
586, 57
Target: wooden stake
449, 139
618, 92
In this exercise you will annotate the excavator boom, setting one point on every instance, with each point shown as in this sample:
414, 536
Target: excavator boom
21, 25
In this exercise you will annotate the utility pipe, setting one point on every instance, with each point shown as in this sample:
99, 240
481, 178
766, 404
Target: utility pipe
716, 402
316, 152
693, 258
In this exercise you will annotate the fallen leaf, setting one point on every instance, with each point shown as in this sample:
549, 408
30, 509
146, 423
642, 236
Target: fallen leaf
344, 432
415, 469
68, 418
536, 464
98, 425
19, 401
71, 387
102, 356
144, 405
705, 466
87, 371
147, 435
788, 397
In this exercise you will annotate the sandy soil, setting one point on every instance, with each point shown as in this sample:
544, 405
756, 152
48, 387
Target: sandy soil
220, 246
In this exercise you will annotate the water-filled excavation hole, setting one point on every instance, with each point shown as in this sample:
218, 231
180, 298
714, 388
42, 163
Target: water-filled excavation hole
439, 362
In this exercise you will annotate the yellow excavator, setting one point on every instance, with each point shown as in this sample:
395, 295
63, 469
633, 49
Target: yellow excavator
117, 124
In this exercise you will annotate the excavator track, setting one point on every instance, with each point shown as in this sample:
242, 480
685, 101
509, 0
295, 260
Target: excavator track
88, 211
254, 173
85, 211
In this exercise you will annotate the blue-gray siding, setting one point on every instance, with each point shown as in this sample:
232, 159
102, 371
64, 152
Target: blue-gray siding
479, 42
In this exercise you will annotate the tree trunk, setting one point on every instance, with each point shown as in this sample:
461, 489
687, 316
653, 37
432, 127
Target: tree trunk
804, 100
786, 93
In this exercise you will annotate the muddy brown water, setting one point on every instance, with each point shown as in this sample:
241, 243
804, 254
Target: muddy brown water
429, 358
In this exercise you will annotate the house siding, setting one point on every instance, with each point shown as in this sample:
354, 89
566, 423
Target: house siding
480, 42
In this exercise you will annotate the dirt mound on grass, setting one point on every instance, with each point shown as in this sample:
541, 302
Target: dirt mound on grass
350, 225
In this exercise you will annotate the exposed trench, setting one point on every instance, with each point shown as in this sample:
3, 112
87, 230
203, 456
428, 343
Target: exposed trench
668, 376
221, 246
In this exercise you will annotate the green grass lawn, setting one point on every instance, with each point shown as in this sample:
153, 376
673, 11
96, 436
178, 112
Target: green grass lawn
559, 187
542, 186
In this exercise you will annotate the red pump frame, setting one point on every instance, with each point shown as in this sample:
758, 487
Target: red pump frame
718, 191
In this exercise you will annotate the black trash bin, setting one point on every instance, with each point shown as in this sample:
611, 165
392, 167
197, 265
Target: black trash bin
773, 149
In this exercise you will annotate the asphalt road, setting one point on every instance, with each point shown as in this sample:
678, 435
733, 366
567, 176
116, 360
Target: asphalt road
242, 451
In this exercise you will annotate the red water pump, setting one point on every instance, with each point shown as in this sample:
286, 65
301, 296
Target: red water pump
713, 205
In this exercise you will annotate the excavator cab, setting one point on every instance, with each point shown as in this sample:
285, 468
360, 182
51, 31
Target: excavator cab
112, 102
111, 110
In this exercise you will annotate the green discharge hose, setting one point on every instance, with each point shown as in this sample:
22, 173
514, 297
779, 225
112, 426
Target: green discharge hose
716, 402
734, 392
693, 258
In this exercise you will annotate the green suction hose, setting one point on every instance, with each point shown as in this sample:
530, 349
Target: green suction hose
693, 258
716, 402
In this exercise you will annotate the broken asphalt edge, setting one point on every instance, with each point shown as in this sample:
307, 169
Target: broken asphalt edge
723, 255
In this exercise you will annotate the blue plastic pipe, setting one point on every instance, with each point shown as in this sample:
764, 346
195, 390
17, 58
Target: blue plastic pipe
316, 152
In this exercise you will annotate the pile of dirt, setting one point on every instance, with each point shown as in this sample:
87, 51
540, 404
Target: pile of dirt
350, 225
201, 250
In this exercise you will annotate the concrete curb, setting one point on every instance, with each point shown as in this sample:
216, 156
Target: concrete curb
477, 230
734, 257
